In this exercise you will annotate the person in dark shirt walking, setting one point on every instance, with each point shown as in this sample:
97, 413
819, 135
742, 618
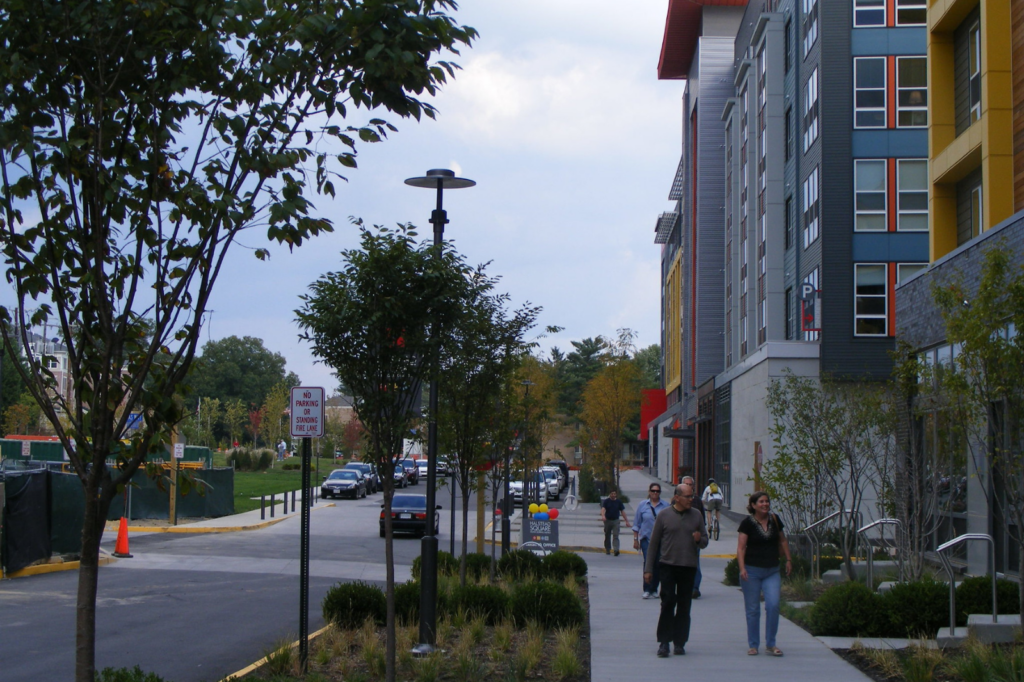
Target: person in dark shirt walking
757, 552
679, 535
611, 510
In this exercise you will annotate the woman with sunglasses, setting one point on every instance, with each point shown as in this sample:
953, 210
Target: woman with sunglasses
643, 525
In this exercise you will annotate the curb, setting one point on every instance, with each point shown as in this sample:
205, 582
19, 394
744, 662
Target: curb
263, 661
213, 529
43, 569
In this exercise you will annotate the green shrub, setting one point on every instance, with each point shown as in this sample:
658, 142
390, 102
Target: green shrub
847, 609
974, 595
407, 602
916, 609
241, 458
801, 568
830, 563
732, 572
266, 458
126, 675
519, 564
487, 601
559, 565
291, 466
587, 489
447, 564
477, 565
348, 605
549, 604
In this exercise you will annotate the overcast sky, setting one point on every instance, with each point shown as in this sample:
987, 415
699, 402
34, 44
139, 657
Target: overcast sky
559, 117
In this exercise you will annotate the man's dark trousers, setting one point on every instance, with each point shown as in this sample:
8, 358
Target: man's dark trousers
676, 597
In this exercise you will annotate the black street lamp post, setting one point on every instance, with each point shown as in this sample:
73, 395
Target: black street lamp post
439, 179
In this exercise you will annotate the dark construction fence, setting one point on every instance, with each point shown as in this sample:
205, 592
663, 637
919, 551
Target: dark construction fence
44, 509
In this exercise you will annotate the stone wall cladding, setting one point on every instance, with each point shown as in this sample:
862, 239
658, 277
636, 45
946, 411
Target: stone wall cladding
918, 320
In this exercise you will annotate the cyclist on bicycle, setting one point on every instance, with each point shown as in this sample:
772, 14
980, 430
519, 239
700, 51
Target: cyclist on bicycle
712, 499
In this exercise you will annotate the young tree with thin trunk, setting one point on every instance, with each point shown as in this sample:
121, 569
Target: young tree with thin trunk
480, 357
139, 141
982, 387
380, 323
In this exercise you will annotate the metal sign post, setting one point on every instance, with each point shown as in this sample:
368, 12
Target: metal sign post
307, 422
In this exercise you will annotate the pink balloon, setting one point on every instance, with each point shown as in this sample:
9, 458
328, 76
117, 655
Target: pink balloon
553, 513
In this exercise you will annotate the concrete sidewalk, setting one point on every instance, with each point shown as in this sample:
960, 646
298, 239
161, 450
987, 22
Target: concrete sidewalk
622, 625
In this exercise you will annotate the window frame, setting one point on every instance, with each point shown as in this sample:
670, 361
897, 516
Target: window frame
857, 296
974, 70
857, 211
918, 108
868, 7
884, 89
812, 106
811, 213
810, 27
900, 278
921, 5
900, 212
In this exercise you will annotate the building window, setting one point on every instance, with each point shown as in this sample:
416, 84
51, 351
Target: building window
976, 212
905, 271
810, 24
788, 45
869, 180
790, 237
869, 92
911, 92
811, 110
787, 134
911, 12
869, 12
912, 199
812, 208
974, 47
870, 310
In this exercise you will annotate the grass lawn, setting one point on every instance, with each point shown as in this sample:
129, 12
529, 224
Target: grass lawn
249, 484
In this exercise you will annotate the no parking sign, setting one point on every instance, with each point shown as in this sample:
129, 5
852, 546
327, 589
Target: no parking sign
307, 407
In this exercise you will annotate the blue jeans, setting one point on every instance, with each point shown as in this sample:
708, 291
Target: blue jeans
769, 581
696, 580
652, 586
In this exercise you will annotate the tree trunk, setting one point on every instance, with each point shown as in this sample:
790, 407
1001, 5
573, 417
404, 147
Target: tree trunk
465, 535
88, 576
389, 560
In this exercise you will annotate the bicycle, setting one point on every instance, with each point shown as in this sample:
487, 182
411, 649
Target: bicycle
714, 526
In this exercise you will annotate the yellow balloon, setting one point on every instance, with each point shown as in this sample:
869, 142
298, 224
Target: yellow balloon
543, 508
533, 508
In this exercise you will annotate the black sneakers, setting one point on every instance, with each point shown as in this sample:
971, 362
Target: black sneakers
680, 650
695, 595
663, 650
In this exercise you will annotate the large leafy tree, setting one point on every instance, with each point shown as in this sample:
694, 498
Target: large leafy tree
236, 368
480, 357
380, 323
574, 371
139, 139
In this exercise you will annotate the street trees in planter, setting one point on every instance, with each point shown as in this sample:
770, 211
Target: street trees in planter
380, 323
138, 142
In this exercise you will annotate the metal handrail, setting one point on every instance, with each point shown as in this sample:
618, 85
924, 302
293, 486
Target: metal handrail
816, 554
952, 582
871, 554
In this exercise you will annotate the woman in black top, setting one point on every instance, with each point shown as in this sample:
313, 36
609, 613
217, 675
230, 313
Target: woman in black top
757, 552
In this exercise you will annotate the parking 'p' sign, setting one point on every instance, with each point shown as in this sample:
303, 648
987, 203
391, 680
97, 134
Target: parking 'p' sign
307, 412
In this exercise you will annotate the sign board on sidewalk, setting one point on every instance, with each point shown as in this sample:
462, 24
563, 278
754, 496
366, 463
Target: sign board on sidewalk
179, 451
307, 412
26, 448
540, 536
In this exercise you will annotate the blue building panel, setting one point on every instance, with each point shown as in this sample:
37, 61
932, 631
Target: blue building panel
867, 42
883, 144
900, 247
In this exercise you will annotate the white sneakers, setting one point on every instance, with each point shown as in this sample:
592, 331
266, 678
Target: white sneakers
647, 595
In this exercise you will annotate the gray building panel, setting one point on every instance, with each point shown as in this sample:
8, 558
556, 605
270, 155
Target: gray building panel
878, 144
896, 247
898, 40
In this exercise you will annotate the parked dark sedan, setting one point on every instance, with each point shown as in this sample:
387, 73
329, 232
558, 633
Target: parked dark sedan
409, 515
344, 483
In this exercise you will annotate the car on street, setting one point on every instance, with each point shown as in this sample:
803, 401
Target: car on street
412, 472
421, 465
562, 482
369, 473
562, 466
516, 488
554, 485
409, 515
400, 477
343, 483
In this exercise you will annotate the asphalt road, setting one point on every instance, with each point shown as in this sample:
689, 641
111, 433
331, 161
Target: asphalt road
195, 608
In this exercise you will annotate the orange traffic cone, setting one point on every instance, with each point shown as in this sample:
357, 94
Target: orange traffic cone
121, 548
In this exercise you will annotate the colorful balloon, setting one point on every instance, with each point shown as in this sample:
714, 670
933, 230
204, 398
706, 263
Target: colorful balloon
553, 513
533, 508
541, 516
543, 508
